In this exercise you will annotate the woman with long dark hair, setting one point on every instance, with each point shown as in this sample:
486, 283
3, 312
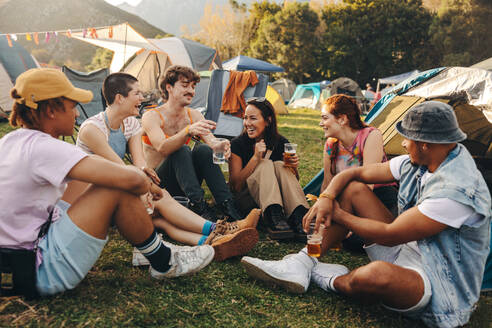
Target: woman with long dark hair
260, 177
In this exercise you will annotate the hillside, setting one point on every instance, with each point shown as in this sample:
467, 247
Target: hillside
51, 15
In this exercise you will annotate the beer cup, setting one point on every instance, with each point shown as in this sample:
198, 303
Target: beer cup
314, 239
290, 149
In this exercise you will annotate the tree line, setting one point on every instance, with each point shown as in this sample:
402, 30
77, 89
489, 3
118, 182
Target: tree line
359, 39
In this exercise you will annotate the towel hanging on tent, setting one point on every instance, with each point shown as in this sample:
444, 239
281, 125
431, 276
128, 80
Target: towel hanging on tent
233, 100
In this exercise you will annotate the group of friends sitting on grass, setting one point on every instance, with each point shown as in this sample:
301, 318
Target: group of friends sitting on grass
423, 218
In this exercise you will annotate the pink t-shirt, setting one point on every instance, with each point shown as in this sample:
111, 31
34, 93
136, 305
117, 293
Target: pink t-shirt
33, 177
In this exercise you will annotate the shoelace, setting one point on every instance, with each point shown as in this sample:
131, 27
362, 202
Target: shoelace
225, 228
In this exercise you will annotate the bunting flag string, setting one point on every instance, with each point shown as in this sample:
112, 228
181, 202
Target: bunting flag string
53, 35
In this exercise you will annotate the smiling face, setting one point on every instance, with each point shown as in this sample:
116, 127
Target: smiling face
132, 102
331, 125
182, 91
254, 123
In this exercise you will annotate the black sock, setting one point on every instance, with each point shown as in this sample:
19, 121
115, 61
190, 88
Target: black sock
156, 252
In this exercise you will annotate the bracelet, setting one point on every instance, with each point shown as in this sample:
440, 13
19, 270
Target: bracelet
187, 130
326, 195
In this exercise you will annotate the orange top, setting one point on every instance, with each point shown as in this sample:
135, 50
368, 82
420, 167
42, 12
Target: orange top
145, 138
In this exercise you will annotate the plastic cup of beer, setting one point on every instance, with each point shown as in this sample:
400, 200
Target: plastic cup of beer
219, 149
290, 149
314, 241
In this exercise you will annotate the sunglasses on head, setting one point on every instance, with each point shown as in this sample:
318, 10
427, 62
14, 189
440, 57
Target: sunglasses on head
256, 100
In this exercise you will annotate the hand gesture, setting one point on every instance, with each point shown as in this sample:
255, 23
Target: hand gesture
201, 128
155, 191
151, 174
322, 211
260, 149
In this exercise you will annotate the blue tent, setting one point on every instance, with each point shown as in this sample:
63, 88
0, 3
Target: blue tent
245, 63
306, 95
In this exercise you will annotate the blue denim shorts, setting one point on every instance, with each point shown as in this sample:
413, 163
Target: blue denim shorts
407, 256
68, 253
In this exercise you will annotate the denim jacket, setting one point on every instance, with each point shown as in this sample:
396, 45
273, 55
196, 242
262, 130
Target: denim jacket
454, 259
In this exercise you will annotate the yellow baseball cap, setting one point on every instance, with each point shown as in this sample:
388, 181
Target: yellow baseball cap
39, 84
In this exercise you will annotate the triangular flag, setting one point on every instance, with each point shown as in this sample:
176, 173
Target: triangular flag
9, 40
14, 37
28, 37
110, 32
84, 33
69, 33
47, 37
93, 33
36, 38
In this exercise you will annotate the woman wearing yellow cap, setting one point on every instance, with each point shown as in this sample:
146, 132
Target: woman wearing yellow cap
35, 167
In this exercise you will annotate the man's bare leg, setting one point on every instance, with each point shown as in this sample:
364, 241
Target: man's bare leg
395, 286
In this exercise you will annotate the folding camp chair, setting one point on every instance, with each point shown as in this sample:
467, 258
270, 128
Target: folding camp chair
228, 126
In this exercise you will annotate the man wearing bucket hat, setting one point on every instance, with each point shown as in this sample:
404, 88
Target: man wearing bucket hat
35, 169
428, 262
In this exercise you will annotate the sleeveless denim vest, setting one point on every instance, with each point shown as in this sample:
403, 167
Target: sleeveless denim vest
454, 259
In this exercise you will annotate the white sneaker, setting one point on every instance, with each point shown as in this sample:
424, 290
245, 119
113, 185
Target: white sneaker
324, 275
292, 273
138, 259
185, 260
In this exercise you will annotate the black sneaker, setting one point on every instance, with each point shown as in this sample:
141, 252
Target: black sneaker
295, 221
201, 208
277, 227
229, 210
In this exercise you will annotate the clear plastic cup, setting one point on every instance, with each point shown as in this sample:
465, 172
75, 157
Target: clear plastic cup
219, 149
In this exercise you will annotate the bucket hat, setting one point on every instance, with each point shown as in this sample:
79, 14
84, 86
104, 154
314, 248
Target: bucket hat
431, 121
39, 84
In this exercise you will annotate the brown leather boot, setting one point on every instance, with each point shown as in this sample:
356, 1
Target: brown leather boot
250, 221
234, 244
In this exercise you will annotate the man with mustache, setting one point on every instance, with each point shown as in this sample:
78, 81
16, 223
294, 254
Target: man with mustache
167, 131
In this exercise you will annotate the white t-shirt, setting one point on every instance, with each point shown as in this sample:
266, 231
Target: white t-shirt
131, 128
33, 170
443, 210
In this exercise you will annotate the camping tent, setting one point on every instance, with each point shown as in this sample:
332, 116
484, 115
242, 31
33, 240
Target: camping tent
346, 86
122, 39
276, 100
189, 53
306, 95
395, 79
13, 61
467, 89
484, 64
285, 88
245, 63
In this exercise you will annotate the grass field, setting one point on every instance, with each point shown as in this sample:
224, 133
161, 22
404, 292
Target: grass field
222, 295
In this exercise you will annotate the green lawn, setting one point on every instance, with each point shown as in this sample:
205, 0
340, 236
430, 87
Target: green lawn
222, 295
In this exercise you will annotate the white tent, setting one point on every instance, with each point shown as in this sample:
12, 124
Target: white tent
122, 39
